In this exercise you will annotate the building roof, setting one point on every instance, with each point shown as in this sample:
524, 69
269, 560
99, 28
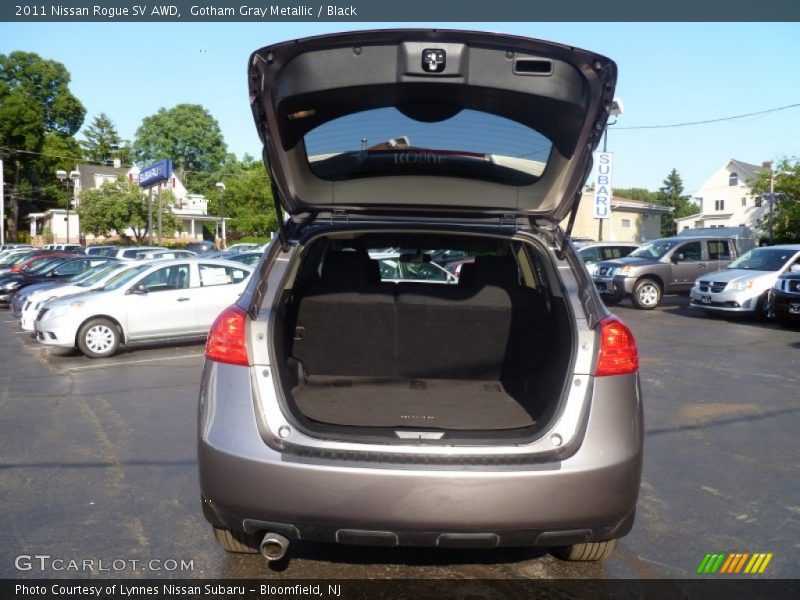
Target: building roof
88, 172
745, 170
617, 202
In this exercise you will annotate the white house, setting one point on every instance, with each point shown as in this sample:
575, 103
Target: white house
191, 209
726, 200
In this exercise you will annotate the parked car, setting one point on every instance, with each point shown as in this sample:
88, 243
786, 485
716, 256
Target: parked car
153, 254
134, 252
243, 247
63, 247
784, 297
56, 269
14, 258
593, 253
21, 297
16, 278
661, 267
97, 278
200, 247
412, 266
164, 300
247, 258
101, 250
743, 287
504, 410
13, 246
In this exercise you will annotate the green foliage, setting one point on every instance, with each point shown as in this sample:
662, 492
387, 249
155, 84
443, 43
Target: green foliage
786, 215
116, 207
102, 143
46, 84
671, 194
641, 194
187, 134
37, 112
247, 200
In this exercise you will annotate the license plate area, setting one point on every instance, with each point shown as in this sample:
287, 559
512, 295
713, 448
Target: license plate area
705, 299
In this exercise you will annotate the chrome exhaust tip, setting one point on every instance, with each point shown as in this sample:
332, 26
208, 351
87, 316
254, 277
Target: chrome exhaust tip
273, 546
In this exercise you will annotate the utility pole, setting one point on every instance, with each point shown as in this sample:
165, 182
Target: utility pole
150, 215
160, 210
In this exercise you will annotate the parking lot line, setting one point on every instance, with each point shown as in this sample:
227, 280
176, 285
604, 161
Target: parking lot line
133, 362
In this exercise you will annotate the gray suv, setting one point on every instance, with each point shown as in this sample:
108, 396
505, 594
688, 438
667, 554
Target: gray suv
501, 408
661, 267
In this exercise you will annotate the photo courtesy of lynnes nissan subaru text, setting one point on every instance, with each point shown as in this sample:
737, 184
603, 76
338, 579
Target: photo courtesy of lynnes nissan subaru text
341, 403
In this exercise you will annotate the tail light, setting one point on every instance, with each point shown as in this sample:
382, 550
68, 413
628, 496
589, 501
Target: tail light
618, 354
226, 340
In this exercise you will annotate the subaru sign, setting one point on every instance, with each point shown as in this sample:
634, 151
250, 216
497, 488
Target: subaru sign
602, 186
155, 173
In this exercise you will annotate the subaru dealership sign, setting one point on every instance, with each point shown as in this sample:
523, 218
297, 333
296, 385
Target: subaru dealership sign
602, 186
155, 173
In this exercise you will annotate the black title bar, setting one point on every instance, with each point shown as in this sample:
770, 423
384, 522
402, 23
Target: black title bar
257, 11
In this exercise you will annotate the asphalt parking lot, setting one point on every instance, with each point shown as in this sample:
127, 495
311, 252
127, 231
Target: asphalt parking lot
97, 461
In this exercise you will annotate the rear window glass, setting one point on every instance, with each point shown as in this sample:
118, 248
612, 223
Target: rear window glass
469, 144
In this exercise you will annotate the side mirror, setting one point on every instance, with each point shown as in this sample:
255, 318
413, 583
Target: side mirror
676, 258
139, 288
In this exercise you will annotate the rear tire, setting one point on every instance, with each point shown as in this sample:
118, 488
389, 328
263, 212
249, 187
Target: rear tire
236, 542
646, 294
99, 338
590, 551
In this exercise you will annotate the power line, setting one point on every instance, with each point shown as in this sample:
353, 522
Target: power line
731, 118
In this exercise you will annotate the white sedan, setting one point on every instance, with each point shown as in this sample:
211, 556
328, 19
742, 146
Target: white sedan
172, 299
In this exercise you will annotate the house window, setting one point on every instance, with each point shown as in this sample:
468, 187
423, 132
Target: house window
744, 201
758, 202
719, 204
733, 179
626, 223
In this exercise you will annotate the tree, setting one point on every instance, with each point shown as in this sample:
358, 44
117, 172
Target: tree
786, 208
119, 206
640, 194
37, 110
102, 143
671, 194
187, 134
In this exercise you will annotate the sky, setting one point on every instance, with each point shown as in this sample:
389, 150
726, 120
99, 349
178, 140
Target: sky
668, 73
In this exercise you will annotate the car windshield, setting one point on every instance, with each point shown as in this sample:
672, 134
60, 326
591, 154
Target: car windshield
655, 249
763, 259
92, 276
16, 259
120, 279
42, 265
469, 143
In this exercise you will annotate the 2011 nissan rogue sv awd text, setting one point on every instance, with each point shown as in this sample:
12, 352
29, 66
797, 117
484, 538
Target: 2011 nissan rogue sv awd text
341, 403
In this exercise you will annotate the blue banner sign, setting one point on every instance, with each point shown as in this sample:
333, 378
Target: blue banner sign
155, 173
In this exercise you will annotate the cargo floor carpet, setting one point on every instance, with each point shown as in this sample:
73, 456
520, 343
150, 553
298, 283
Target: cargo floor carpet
428, 403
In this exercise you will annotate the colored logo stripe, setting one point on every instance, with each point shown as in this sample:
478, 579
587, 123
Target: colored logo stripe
736, 562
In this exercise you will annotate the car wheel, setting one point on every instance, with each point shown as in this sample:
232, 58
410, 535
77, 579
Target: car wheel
236, 541
764, 310
590, 551
646, 294
99, 338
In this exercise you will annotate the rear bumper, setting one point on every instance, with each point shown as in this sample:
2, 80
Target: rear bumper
590, 496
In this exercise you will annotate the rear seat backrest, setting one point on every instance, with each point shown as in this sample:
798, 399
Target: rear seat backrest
345, 322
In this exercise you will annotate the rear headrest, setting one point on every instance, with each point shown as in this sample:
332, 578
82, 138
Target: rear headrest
500, 271
345, 269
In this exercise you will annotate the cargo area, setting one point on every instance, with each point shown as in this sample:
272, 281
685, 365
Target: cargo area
368, 343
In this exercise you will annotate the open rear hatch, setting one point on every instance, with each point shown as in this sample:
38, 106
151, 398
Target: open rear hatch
416, 121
